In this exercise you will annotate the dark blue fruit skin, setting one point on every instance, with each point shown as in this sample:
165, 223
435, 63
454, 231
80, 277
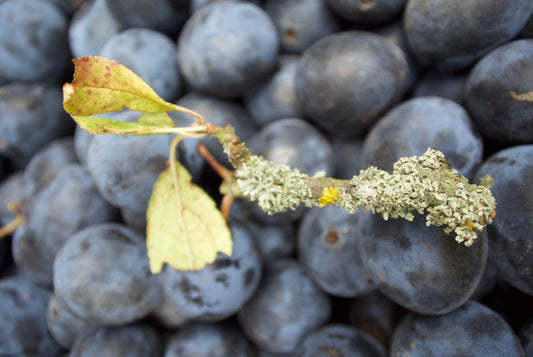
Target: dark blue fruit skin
33, 41
340, 340
347, 155
221, 288
167, 17
126, 177
23, 330
510, 231
134, 340
31, 115
82, 140
62, 324
90, 28
451, 34
419, 267
494, 87
444, 85
208, 340
286, 307
293, 19
227, 47
328, 249
471, 330
151, 55
276, 97
45, 163
216, 111
102, 275
367, 12
411, 127
347, 79
67, 204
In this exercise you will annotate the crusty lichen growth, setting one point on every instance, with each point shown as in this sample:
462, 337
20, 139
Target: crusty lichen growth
423, 184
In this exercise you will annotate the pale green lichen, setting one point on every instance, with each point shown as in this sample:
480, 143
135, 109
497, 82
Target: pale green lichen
276, 188
423, 184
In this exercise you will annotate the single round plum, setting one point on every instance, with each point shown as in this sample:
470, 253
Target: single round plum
421, 268
328, 249
346, 80
33, 41
498, 93
102, 275
286, 307
91, 27
471, 330
293, 18
227, 47
510, 232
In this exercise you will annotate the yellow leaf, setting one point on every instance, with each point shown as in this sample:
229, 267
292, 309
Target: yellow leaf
110, 126
184, 229
101, 85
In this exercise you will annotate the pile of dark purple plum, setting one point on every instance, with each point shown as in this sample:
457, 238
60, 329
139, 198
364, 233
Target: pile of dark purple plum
332, 85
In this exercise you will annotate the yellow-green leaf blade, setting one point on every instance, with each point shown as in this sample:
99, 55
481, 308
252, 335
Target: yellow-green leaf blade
101, 85
160, 120
205, 232
109, 126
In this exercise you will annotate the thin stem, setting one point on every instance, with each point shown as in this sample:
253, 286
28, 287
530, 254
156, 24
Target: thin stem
173, 169
11, 226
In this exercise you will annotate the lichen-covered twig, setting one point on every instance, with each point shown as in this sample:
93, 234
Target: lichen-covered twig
425, 184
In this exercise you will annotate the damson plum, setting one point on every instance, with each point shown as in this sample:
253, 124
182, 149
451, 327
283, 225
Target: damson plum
411, 127
221, 288
134, 340
222, 339
286, 307
151, 55
293, 18
445, 85
499, 93
227, 47
90, 28
23, 331
421, 268
510, 232
328, 249
347, 79
452, 34
339, 340
12, 189
67, 204
471, 330
367, 11
31, 115
33, 41
102, 275
275, 98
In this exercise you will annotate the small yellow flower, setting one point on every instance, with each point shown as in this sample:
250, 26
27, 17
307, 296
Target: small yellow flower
469, 224
329, 196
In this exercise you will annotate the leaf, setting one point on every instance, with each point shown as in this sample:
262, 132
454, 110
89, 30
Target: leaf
101, 85
184, 229
149, 124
